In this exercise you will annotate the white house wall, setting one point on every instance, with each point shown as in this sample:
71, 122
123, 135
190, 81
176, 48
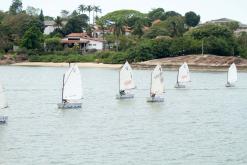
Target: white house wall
49, 29
95, 45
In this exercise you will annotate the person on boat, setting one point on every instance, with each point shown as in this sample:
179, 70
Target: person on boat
152, 95
122, 92
65, 101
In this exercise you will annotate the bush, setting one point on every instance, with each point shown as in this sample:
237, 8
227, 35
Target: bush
53, 44
61, 58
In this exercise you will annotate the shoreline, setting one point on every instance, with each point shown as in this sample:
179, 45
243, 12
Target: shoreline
170, 67
81, 65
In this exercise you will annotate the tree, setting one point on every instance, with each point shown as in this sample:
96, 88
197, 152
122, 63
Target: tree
32, 39
30, 10
58, 22
64, 14
89, 9
76, 24
175, 26
155, 14
172, 14
118, 29
97, 10
157, 30
233, 25
191, 19
41, 16
48, 18
82, 8
53, 44
242, 43
16, 7
121, 15
210, 30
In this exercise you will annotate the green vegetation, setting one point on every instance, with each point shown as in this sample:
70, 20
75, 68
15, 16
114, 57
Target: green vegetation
156, 34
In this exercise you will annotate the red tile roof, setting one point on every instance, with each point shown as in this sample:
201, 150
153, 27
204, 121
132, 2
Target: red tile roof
82, 35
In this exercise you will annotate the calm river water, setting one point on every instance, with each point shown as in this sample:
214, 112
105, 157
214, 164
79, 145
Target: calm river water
204, 124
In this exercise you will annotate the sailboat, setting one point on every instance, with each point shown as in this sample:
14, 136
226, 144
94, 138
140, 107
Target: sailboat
232, 75
3, 104
126, 82
71, 90
157, 85
183, 76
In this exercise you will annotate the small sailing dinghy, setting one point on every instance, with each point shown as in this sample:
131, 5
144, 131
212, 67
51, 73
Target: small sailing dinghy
183, 76
232, 76
126, 82
157, 85
3, 104
71, 90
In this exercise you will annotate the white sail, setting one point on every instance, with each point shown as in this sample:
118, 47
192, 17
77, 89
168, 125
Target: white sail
72, 88
232, 74
183, 73
126, 81
157, 81
3, 101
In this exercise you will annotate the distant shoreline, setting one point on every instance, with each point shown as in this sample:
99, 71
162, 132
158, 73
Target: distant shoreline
135, 66
196, 63
82, 65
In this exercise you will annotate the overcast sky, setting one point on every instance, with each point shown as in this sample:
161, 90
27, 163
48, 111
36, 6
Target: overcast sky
207, 9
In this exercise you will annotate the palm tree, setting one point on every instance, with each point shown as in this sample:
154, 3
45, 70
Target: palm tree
82, 8
89, 9
118, 29
58, 22
97, 10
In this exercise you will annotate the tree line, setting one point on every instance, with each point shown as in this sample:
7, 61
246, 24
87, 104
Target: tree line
155, 34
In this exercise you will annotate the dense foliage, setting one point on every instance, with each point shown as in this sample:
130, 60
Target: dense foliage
156, 34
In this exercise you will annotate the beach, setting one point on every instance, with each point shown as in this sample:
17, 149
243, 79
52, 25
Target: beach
195, 62
82, 65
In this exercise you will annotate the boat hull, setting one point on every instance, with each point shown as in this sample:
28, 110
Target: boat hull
229, 85
179, 86
126, 96
69, 105
3, 119
155, 99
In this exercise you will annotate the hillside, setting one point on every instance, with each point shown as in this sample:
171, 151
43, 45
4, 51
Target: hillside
197, 62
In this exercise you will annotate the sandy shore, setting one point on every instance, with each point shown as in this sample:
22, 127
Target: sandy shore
195, 62
50, 64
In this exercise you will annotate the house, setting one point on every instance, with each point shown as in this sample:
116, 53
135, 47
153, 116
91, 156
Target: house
50, 26
242, 27
83, 41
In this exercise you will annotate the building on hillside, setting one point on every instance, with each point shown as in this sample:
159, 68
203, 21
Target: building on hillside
242, 27
98, 32
84, 42
50, 26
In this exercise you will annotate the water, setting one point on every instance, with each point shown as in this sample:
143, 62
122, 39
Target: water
204, 124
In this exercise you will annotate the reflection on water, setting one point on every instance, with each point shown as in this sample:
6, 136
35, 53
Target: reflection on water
202, 124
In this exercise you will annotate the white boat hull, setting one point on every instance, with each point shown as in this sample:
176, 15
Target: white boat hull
229, 85
179, 86
125, 96
69, 105
155, 99
3, 119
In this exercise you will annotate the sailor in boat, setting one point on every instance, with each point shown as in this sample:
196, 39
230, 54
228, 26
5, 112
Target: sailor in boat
152, 95
122, 92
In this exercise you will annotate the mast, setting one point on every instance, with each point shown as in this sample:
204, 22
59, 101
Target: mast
151, 83
119, 81
63, 87
227, 77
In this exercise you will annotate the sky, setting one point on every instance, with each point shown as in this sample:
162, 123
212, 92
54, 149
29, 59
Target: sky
207, 9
